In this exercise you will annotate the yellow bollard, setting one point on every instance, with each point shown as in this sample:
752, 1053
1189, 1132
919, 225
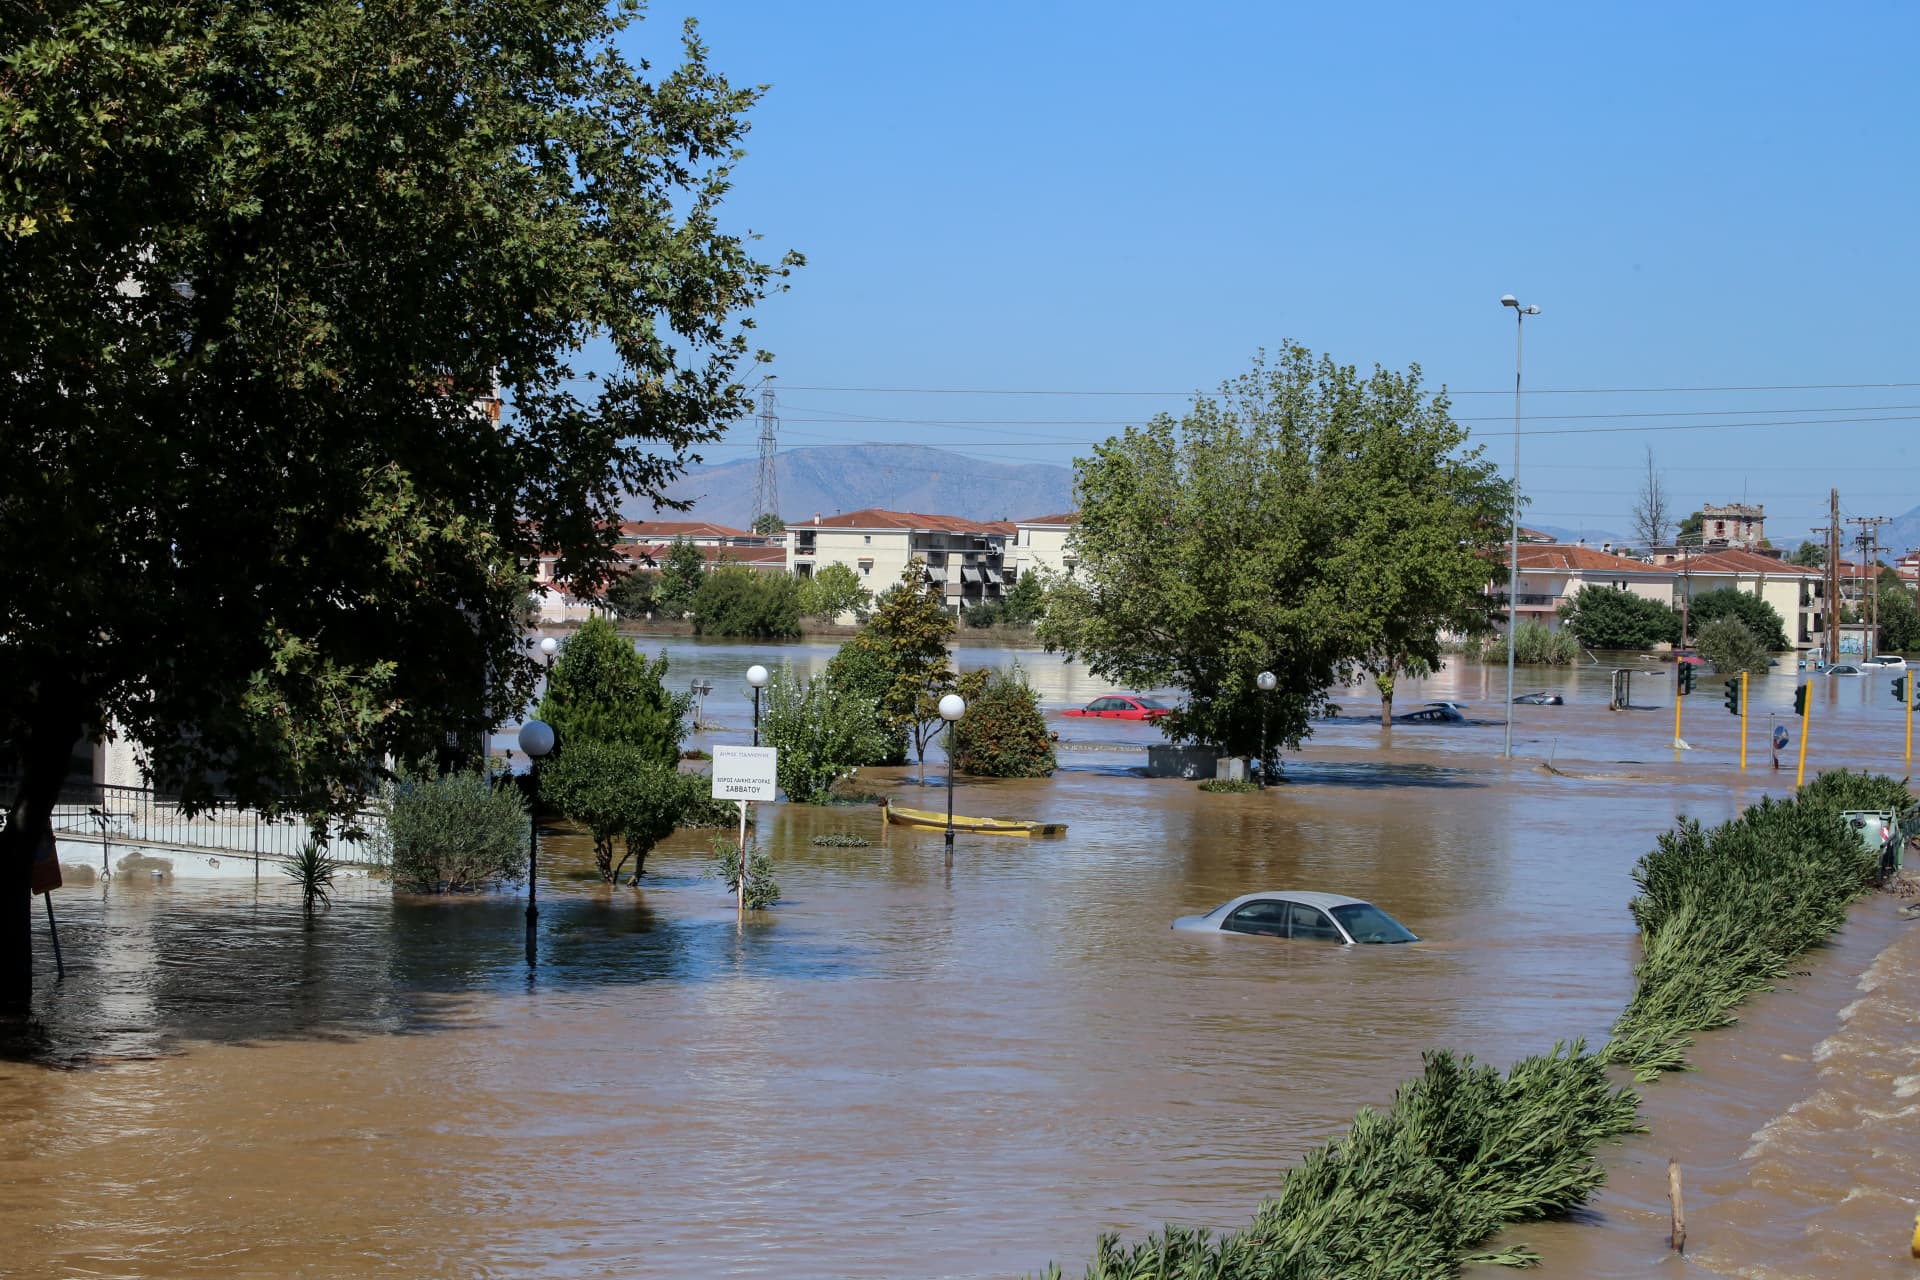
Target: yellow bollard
1806, 723
1916, 1235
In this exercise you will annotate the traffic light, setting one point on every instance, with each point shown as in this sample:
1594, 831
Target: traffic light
1733, 696
1900, 691
1800, 701
1686, 679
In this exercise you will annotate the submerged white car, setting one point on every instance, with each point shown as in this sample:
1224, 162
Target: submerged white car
1302, 914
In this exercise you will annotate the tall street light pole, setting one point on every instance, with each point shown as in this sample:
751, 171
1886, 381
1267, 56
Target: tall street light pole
952, 707
1520, 315
757, 678
536, 739
1266, 683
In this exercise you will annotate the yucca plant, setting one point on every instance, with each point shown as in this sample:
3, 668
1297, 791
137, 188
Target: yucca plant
762, 889
312, 869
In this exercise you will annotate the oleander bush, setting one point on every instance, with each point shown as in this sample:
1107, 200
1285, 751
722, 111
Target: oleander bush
762, 889
1461, 1153
454, 833
1003, 734
1725, 912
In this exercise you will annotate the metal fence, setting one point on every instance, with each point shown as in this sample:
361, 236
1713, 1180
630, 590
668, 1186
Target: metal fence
141, 817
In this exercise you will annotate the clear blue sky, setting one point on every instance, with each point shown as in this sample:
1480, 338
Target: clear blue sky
1114, 197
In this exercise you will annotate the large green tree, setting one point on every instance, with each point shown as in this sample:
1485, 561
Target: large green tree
1308, 520
833, 591
1899, 619
680, 578
1759, 617
602, 689
265, 268
1810, 555
733, 601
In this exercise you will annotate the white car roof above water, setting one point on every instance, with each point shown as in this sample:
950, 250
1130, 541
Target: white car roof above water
1310, 897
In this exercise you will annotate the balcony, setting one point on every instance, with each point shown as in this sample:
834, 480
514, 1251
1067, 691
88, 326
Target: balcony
1528, 599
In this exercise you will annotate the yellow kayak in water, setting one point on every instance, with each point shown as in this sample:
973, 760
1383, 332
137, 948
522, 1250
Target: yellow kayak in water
901, 817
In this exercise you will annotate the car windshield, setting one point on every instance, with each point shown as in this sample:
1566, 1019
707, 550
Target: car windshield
1365, 922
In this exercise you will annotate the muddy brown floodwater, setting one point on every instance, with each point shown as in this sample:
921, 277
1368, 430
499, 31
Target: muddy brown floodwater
910, 1070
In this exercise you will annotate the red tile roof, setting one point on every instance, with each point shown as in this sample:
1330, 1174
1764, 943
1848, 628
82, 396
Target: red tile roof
1736, 561
1555, 558
671, 529
751, 557
912, 521
1063, 518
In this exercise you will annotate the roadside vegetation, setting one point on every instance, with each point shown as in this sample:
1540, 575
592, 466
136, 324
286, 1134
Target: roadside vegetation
1725, 912
1731, 647
1533, 646
736, 602
1759, 617
833, 591
1605, 618
825, 729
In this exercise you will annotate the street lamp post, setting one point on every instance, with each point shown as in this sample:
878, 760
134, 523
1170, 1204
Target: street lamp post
1520, 315
1267, 683
952, 707
757, 677
536, 739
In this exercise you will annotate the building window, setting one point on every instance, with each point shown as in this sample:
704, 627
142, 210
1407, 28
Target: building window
867, 538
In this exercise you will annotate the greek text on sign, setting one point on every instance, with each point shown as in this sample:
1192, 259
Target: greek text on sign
744, 773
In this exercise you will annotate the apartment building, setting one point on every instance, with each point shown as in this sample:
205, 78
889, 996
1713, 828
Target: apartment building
1797, 593
967, 558
1552, 574
1044, 543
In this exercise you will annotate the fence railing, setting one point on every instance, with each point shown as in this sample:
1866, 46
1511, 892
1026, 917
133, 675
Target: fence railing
139, 816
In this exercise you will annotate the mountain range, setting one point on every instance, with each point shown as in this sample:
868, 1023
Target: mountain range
829, 479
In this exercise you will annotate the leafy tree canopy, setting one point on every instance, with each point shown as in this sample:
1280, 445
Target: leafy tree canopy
1691, 525
908, 635
1026, 602
769, 523
631, 595
680, 579
1605, 618
261, 262
1899, 620
604, 690
833, 591
1731, 646
1730, 602
1307, 521
733, 601
1810, 555
825, 729
617, 791
859, 670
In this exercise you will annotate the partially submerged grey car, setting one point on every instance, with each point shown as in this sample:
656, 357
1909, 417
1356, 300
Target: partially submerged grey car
1300, 913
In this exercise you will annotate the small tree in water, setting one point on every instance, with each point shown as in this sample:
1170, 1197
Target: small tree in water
908, 634
617, 792
1003, 734
603, 690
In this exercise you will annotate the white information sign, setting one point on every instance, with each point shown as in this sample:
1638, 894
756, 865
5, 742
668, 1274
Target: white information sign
744, 773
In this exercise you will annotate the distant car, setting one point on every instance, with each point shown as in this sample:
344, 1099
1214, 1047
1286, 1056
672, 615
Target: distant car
1541, 699
1689, 657
1122, 706
1885, 662
1842, 669
1301, 914
1434, 713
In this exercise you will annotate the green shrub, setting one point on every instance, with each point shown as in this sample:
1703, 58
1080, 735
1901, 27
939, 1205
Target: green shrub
1229, 786
1461, 1153
1534, 645
1605, 618
860, 671
700, 809
454, 833
823, 731
841, 841
1003, 734
603, 690
1723, 913
1731, 647
1731, 602
762, 889
985, 614
619, 792
733, 601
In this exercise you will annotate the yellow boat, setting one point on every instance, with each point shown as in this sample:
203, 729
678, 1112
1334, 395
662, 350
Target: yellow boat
902, 817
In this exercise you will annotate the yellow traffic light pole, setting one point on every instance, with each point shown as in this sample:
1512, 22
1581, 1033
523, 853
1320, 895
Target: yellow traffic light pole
1910, 719
1743, 722
1806, 723
1679, 696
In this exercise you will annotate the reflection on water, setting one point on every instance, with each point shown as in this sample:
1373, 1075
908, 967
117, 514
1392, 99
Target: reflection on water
905, 1070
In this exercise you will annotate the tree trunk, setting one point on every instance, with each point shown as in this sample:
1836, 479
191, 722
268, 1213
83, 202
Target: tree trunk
1386, 711
43, 761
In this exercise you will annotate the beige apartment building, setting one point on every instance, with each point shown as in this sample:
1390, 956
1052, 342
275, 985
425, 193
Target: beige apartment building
1044, 543
967, 558
1797, 594
1552, 574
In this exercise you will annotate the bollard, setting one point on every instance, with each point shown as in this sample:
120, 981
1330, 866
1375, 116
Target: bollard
1679, 1209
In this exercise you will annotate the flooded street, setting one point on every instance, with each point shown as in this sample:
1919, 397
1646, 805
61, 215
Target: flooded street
914, 1070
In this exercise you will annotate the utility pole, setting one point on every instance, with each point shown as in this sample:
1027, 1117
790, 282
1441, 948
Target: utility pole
1868, 540
1833, 577
766, 486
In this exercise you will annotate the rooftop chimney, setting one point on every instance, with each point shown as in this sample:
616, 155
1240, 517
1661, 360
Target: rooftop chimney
816, 517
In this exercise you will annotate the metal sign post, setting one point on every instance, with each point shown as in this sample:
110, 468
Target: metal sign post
745, 775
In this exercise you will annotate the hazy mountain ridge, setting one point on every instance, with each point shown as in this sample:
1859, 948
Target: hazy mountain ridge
902, 477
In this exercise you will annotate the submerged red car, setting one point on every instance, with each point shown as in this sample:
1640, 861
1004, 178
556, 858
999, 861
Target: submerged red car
1122, 706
